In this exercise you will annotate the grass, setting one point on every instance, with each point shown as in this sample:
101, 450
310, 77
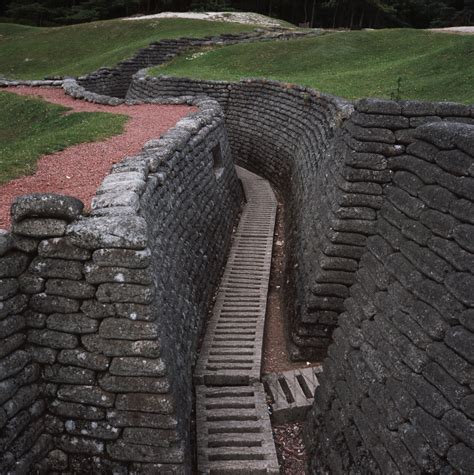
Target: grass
432, 66
30, 128
33, 53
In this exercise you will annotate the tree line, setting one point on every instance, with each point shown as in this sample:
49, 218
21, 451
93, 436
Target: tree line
313, 13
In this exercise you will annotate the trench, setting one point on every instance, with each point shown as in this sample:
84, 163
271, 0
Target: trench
231, 409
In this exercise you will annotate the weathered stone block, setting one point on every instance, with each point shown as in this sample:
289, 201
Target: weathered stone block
97, 275
46, 205
97, 310
35, 319
121, 329
141, 419
129, 293
11, 343
111, 347
52, 339
133, 366
90, 395
62, 248
8, 288
145, 453
13, 305
461, 340
75, 410
72, 323
128, 232
84, 359
13, 364
42, 355
118, 384
161, 404
80, 445
23, 398
31, 284
40, 227
13, 264
45, 303
70, 288
68, 375
96, 430
147, 436
56, 268
6, 242
11, 325
122, 258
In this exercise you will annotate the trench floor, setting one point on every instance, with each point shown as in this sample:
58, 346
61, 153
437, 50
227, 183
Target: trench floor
234, 433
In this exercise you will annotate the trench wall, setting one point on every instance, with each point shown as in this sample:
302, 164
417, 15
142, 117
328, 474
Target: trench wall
330, 161
100, 313
380, 210
115, 81
396, 394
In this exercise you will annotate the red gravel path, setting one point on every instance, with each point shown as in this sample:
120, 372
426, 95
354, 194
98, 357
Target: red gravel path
78, 170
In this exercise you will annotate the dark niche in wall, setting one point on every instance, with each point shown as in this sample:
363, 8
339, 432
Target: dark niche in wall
218, 163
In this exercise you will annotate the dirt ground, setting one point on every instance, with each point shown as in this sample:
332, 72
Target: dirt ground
289, 437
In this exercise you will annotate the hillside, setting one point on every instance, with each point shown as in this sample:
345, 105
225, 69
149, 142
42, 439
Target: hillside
32, 53
432, 66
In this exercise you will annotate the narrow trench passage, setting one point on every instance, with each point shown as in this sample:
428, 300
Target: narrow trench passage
232, 419
232, 408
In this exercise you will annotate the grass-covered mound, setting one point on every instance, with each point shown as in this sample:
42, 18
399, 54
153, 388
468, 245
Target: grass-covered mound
33, 53
432, 66
30, 128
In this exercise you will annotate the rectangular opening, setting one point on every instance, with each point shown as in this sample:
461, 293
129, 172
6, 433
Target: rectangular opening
304, 386
286, 390
218, 164
234, 443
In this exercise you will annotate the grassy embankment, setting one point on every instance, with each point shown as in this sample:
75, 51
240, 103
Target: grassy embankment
30, 128
432, 66
33, 53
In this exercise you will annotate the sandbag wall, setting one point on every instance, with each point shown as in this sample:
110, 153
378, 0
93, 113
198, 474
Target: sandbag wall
115, 81
22, 406
397, 390
101, 313
329, 166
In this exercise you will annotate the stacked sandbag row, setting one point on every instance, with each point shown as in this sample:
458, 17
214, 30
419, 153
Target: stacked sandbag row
101, 313
396, 393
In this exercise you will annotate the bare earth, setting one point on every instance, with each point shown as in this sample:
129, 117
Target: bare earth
78, 170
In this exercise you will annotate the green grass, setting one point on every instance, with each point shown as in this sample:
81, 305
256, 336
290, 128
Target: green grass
32, 53
30, 128
432, 66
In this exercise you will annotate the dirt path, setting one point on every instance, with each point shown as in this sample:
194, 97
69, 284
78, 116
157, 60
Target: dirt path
78, 170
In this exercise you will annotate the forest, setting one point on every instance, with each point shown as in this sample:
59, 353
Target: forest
352, 14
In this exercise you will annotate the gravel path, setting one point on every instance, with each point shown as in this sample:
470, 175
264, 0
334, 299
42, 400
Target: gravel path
78, 170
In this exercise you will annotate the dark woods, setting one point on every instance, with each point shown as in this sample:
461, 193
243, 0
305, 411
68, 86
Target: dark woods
315, 13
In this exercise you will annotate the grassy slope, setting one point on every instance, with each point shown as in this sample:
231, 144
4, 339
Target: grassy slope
32, 53
433, 66
31, 127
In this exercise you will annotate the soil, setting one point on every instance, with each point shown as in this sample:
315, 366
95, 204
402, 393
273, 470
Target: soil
78, 170
289, 437
275, 351
290, 447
